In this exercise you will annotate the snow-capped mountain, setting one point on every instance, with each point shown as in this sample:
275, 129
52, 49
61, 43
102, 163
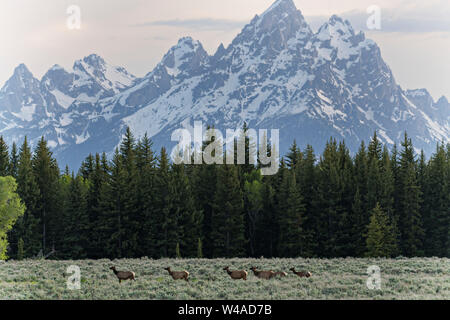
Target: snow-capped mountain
276, 73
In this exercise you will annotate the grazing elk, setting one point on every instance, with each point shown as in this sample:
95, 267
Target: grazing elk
236, 274
123, 275
280, 274
177, 275
301, 274
263, 274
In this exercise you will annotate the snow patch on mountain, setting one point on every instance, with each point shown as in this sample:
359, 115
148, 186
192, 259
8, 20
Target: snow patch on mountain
276, 73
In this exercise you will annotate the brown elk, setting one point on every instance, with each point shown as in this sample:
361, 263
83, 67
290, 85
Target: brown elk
177, 275
236, 274
123, 275
301, 274
280, 274
263, 274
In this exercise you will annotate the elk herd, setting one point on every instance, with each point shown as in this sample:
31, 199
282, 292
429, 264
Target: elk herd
234, 274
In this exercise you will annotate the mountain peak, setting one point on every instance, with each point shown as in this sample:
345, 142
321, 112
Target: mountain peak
22, 71
94, 60
186, 40
337, 26
281, 22
281, 5
186, 45
56, 67
188, 54
442, 101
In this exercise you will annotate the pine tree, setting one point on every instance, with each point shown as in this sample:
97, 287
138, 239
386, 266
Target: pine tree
94, 183
267, 229
387, 191
345, 201
106, 233
435, 181
131, 216
146, 166
250, 155
375, 148
360, 210
203, 177
291, 220
14, 161
4, 158
165, 225
357, 218
294, 157
253, 195
183, 210
76, 237
228, 215
409, 203
46, 173
327, 202
28, 227
380, 236
117, 211
374, 158
87, 167
307, 182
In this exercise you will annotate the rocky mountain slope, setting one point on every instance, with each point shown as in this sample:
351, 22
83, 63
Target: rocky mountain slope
277, 73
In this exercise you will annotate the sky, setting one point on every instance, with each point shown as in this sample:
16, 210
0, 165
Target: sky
414, 37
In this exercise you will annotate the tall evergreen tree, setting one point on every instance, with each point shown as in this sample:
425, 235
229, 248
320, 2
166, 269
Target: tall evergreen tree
14, 161
46, 173
106, 234
165, 224
76, 228
131, 216
292, 241
380, 237
189, 219
253, 195
409, 203
327, 201
203, 177
28, 191
294, 157
436, 204
4, 158
146, 166
228, 215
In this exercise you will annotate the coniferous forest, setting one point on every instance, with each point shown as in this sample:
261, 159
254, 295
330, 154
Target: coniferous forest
377, 203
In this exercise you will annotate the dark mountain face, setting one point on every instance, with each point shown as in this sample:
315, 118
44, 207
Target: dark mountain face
276, 74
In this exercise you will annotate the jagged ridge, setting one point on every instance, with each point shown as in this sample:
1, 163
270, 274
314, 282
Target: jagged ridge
276, 73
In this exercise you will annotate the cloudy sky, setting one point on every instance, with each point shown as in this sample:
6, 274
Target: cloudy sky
414, 36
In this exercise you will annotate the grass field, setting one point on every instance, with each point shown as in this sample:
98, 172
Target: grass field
331, 279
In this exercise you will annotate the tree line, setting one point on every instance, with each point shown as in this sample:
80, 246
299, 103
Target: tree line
377, 203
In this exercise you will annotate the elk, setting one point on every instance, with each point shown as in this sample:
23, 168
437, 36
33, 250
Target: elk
279, 274
301, 274
123, 275
177, 275
236, 274
263, 274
